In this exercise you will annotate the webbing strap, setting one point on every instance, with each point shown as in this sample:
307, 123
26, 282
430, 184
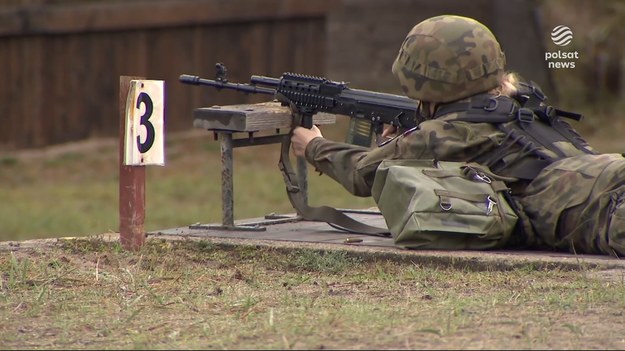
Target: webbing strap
327, 214
483, 108
532, 126
440, 173
462, 196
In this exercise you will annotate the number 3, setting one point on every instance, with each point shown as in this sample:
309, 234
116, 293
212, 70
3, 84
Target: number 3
149, 127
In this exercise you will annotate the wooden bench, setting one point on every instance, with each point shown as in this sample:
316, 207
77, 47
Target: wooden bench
252, 119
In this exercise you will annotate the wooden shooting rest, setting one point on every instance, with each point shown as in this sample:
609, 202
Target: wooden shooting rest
224, 121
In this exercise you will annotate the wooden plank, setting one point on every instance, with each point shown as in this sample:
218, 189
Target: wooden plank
100, 73
309, 47
32, 69
168, 66
283, 41
71, 79
8, 92
68, 18
250, 117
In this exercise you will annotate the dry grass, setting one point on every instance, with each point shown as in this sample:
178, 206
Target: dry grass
88, 293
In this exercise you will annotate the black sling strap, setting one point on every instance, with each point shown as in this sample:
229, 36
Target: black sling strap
330, 215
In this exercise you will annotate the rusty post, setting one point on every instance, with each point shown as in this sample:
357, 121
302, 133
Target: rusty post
227, 180
131, 184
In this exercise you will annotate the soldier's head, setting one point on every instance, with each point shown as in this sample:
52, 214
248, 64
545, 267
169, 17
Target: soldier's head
447, 58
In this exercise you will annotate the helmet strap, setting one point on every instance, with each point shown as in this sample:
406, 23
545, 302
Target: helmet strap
425, 110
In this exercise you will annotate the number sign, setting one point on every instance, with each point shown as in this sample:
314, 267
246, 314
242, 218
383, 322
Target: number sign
144, 141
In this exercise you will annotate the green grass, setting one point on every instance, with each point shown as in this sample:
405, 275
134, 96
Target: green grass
75, 192
89, 293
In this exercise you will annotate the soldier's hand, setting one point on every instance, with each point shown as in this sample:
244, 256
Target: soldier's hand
301, 137
389, 131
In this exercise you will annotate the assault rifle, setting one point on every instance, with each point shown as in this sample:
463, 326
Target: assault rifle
310, 94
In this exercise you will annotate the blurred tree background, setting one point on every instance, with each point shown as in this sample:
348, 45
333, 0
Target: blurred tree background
597, 85
61, 60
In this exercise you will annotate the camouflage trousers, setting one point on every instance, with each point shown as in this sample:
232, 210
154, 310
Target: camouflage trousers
578, 204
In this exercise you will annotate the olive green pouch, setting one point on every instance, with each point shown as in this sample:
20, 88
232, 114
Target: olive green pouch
443, 205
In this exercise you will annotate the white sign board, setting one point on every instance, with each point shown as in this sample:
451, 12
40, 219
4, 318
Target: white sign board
144, 142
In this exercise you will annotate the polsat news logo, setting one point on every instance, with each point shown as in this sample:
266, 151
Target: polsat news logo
561, 36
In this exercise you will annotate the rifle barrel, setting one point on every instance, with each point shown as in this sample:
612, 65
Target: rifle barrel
272, 82
219, 84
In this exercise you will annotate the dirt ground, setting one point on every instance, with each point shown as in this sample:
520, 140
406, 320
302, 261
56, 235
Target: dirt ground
607, 268
247, 294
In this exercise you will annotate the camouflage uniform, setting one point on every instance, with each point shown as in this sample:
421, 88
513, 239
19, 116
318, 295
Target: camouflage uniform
573, 204
576, 204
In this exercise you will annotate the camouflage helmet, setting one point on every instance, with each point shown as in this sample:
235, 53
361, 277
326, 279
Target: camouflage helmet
447, 58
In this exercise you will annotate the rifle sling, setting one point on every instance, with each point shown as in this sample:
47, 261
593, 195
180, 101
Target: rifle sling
330, 215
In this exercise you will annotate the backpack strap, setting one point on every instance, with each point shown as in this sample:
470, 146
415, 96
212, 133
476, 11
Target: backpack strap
483, 108
527, 122
531, 96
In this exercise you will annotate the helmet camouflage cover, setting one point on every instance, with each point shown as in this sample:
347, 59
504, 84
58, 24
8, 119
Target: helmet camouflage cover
447, 58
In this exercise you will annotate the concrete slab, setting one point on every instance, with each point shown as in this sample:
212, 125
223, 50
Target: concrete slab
288, 227
289, 232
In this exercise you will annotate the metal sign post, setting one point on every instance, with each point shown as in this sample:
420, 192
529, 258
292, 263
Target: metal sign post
141, 140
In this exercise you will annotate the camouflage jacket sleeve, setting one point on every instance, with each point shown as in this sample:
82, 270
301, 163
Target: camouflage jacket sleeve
354, 167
